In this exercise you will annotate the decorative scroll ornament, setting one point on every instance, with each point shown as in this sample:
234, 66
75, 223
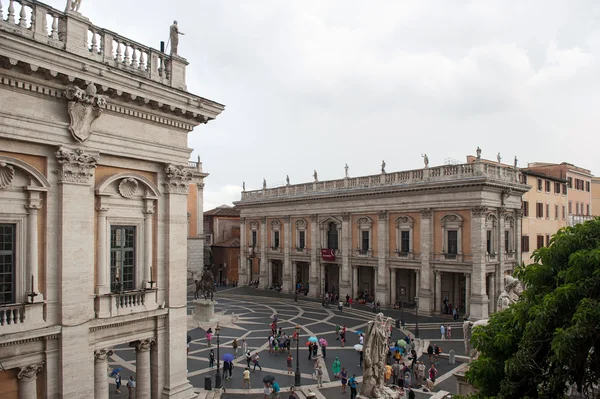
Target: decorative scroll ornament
75, 165
87, 105
102, 354
29, 372
7, 174
426, 213
479, 210
178, 179
128, 187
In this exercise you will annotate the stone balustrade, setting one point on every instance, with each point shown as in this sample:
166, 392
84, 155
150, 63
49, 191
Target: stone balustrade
443, 173
129, 302
21, 317
76, 34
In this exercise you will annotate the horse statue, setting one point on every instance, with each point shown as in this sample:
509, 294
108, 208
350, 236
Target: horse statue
206, 284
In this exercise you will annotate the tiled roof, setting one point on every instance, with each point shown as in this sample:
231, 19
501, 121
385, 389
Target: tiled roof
223, 210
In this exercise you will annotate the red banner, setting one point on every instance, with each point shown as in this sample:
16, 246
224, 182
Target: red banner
328, 254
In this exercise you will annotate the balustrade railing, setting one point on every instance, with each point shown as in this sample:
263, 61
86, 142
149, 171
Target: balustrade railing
129, 299
12, 314
32, 19
433, 174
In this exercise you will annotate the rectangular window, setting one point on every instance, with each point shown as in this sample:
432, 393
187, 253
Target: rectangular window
564, 189
489, 242
570, 207
506, 240
540, 241
548, 184
587, 209
563, 212
539, 184
570, 182
524, 178
525, 208
547, 211
254, 237
275, 239
7, 263
555, 211
587, 186
452, 244
302, 239
539, 212
556, 188
547, 240
122, 258
404, 241
524, 243
577, 208
365, 240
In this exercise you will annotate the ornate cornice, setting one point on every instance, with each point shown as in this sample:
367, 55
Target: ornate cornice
479, 210
75, 165
30, 372
178, 179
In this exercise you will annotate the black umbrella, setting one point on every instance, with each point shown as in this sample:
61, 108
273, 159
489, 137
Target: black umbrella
268, 378
189, 339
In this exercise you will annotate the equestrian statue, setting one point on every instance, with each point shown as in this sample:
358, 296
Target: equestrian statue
206, 285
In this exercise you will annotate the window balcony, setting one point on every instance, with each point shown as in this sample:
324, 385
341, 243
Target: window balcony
491, 257
364, 253
275, 249
450, 256
21, 317
125, 303
404, 255
304, 250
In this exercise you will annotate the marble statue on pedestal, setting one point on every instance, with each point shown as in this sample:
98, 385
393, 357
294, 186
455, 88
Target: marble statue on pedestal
375, 349
425, 160
174, 37
73, 5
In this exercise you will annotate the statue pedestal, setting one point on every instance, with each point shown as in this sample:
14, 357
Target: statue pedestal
205, 310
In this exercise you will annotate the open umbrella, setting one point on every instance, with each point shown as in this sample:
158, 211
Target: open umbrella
395, 349
323, 342
358, 347
115, 371
401, 343
358, 332
313, 340
268, 379
228, 357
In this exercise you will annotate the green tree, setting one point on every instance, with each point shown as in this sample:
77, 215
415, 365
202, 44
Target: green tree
551, 336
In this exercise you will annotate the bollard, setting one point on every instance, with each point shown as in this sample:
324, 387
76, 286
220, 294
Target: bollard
207, 383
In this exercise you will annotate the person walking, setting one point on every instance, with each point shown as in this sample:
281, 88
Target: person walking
344, 376
337, 332
211, 359
341, 306
118, 382
289, 363
430, 353
336, 367
449, 331
244, 346
131, 387
343, 337
443, 332
246, 377
310, 350
352, 385
360, 358
209, 334
436, 351
275, 390
432, 373
396, 372
319, 375
235, 347
315, 349
256, 361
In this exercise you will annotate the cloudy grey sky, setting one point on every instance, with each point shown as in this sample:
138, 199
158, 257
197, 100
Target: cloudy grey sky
315, 84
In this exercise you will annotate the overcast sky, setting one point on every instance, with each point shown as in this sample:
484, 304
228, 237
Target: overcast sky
315, 84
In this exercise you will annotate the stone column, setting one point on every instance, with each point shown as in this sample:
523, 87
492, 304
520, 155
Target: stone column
438, 291
492, 294
148, 245
467, 294
314, 251
157, 359
174, 249
426, 236
75, 263
263, 267
345, 280
102, 266
101, 373
382, 288
322, 279
243, 267
393, 294
270, 265
294, 277
32, 248
518, 233
27, 381
456, 293
502, 264
417, 283
479, 299
287, 249
200, 221
142, 367
354, 282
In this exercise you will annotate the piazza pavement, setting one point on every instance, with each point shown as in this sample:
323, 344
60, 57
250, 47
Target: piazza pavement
250, 311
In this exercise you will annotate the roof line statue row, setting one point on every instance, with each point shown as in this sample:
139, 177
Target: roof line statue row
184, 109
383, 191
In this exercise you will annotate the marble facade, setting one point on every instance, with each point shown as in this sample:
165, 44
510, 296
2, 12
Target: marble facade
423, 235
94, 181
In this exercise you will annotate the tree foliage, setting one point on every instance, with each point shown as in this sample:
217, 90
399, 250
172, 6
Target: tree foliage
550, 338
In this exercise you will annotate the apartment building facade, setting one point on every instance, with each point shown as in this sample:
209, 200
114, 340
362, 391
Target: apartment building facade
449, 232
94, 178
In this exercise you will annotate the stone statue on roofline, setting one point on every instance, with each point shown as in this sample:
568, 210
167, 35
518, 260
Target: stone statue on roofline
264, 183
425, 160
499, 158
316, 176
382, 166
174, 37
287, 180
243, 186
73, 5
346, 171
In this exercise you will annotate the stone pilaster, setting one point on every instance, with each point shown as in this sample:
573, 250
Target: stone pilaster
393, 293
287, 249
314, 257
200, 226
382, 288
28, 381
75, 171
157, 360
467, 294
438, 292
345, 272
148, 237
479, 298
494, 288
142, 367
243, 267
518, 233
102, 265
101, 373
264, 264
426, 235
354, 281
492, 293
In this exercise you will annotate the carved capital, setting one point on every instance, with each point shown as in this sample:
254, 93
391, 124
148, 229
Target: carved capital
286, 219
242, 220
101, 355
263, 220
200, 186
178, 179
75, 165
382, 215
143, 345
7, 174
346, 217
30, 372
519, 213
426, 213
85, 107
479, 211
314, 217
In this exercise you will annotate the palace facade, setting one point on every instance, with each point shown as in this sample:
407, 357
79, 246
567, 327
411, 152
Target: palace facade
94, 178
448, 232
